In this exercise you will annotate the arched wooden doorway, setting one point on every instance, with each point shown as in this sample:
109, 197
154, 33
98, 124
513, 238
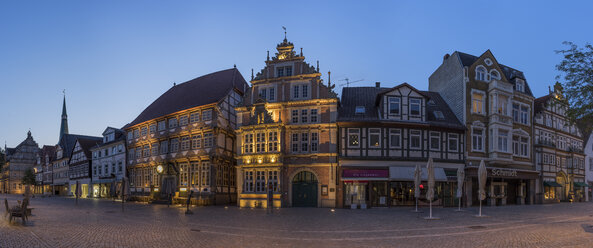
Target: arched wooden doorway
304, 189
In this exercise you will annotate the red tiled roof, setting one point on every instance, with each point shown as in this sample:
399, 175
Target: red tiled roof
203, 90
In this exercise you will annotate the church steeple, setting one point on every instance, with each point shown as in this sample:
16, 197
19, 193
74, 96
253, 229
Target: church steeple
64, 126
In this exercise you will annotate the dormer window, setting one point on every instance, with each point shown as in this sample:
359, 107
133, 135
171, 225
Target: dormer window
439, 115
394, 105
520, 85
360, 110
414, 107
481, 73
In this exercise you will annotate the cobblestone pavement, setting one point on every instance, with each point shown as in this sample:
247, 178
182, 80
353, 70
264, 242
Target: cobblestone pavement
59, 222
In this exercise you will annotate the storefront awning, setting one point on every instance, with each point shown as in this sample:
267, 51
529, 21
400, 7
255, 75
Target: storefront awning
407, 174
552, 184
580, 184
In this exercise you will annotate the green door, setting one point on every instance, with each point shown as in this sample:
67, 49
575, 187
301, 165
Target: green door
304, 190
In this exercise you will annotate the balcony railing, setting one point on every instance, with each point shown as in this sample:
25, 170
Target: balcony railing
575, 149
546, 143
499, 118
500, 85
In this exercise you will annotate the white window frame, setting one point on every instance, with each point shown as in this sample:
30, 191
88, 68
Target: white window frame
498, 77
374, 132
483, 108
418, 135
395, 133
453, 137
480, 137
411, 104
437, 135
519, 85
357, 133
398, 102
499, 138
481, 75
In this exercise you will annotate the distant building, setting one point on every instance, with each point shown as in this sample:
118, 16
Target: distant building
495, 103
43, 169
109, 163
18, 160
286, 137
384, 133
559, 150
80, 164
186, 139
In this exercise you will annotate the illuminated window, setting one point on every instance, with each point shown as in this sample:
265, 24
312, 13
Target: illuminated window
374, 137
205, 174
353, 137
478, 103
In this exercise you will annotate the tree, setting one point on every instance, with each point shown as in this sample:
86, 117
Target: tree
29, 178
576, 69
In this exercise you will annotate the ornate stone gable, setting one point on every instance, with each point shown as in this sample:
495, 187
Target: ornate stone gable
260, 114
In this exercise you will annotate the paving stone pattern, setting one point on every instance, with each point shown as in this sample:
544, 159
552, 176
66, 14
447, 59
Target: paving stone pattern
59, 222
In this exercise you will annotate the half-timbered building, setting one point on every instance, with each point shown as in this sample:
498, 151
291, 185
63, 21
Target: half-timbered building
186, 139
559, 150
80, 164
384, 133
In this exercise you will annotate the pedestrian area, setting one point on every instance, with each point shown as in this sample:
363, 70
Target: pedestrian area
59, 222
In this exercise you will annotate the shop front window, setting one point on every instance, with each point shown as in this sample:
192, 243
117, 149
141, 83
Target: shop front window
355, 193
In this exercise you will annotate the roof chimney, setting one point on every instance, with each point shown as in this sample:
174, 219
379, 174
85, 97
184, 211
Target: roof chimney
378, 84
446, 57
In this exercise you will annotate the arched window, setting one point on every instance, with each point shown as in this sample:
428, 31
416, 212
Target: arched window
494, 75
481, 73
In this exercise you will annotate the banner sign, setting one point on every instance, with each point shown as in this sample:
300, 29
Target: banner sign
365, 173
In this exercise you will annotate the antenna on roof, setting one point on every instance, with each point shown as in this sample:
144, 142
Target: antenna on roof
251, 74
348, 82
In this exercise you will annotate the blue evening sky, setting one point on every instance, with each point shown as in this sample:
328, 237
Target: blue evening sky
115, 57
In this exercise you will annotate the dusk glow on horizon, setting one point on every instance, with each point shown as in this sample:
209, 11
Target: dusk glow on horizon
114, 58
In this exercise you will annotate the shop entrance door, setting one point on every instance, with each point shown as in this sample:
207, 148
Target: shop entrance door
379, 194
304, 190
562, 194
